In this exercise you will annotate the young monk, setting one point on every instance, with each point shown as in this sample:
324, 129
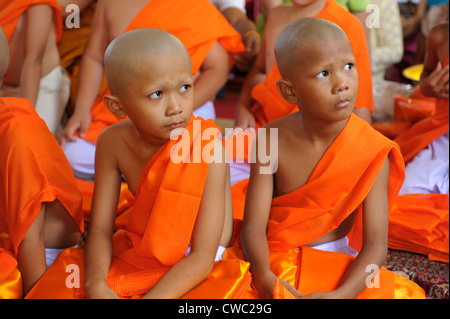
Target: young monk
197, 23
33, 28
40, 205
334, 174
260, 102
260, 83
181, 220
424, 203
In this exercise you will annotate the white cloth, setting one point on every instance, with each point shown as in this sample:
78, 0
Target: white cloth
81, 153
239, 172
428, 171
338, 246
225, 4
219, 252
51, 254
54, 92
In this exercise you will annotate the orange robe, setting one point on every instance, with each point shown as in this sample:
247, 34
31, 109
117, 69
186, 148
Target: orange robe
318, 207
422, 133
419, 222
159, 230
10, 12
197, 23
33, 170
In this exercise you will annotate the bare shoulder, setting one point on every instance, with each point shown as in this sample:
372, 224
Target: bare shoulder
113, 138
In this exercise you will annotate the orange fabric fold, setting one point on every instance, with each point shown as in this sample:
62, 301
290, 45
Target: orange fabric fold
10, 12
422, 133
10, 277
197, 23
33, 170
160, 225
273, 106
419, 223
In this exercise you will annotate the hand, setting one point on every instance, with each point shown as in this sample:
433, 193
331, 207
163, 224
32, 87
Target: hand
291, 289
79, 121
436, 83
100, 291
244, 118
252, 44
264, 284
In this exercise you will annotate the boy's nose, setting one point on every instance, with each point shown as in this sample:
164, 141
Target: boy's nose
174, 107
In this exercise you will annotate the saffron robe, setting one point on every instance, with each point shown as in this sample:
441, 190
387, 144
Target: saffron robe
419, 223
159, 229
422, 133
33, 170
197, 23
10, 12
316, 208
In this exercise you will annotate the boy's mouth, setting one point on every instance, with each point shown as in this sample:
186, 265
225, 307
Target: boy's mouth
342, 104
174, 125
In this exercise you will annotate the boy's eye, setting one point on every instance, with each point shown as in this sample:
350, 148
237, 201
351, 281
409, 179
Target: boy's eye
156, 94
184, 88
322, 74
348, 66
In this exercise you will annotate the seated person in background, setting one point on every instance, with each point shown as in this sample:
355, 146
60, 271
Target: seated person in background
33, 28
234, 11
204, 31
181, 220
425, 144
40, 205
419, 222
299, 212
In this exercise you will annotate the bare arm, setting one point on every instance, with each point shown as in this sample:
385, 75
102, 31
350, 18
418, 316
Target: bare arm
90, 77
213, 75
257, 74
195, 267
38, 26
250, 38
253, 232
99, 248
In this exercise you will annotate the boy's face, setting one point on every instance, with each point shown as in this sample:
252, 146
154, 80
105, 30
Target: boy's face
161, 97
325, 80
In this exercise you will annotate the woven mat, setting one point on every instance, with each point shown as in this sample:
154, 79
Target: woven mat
432, 276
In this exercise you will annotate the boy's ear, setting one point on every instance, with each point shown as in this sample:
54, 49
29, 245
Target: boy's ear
286, 90
114, 105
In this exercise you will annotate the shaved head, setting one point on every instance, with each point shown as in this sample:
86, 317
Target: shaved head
128, 55
301, 35
4, 55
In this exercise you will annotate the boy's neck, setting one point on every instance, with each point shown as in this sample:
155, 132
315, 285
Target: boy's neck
319, 131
